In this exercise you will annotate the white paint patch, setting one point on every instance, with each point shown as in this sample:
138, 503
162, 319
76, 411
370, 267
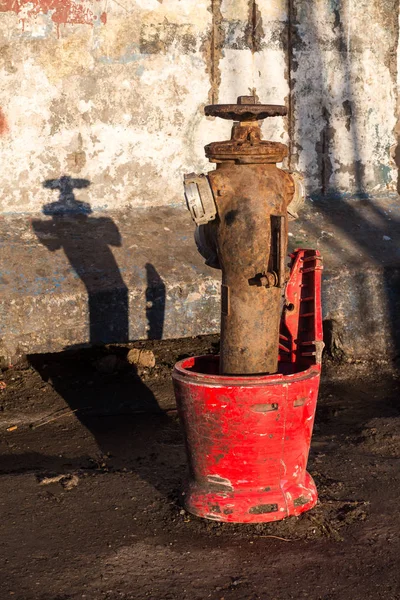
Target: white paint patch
219, 480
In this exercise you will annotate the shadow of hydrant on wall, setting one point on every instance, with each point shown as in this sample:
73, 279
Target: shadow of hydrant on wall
101, 382
86, 241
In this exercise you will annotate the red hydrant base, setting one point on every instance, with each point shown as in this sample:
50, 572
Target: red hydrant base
248, 437
252, 507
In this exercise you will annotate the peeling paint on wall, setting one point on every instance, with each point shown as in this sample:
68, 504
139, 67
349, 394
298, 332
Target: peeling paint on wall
344, 95
62, 11
254, 33
121, 102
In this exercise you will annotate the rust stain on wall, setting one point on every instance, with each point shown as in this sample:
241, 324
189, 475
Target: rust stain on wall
254, 33
3, 123
63, 11
212, 51
322, 150
158, 38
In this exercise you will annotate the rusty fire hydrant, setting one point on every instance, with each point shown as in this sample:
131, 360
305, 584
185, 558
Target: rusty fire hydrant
247, 415
241, 211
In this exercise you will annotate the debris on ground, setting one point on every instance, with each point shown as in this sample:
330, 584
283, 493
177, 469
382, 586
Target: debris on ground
67, 481
92, 505
65, 413
141, 358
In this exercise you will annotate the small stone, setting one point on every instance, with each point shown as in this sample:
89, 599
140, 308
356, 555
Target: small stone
141, 358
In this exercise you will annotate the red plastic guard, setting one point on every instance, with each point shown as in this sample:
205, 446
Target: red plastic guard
248, 437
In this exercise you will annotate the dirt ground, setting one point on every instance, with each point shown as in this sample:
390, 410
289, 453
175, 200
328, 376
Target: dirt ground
92, 461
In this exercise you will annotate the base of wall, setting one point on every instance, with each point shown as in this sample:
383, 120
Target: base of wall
113, 277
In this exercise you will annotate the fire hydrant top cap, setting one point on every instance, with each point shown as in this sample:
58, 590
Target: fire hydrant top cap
245, 112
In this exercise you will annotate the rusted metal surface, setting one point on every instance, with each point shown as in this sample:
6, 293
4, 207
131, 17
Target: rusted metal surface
249, 199
247, 109
245, 112
248, 438
246, 152
246, 147
252, 196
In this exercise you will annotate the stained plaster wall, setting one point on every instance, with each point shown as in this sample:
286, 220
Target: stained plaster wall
114, 92
344, 90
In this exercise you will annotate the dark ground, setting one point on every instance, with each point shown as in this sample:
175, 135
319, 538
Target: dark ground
110, 525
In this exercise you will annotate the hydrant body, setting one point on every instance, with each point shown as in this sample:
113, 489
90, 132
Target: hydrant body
251, 198
252, 204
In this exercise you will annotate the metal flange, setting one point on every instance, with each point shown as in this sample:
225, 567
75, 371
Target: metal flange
245, 112
246, 145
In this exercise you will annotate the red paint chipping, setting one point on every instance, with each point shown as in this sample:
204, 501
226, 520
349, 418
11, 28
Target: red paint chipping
64, 11
103, 18
3, 123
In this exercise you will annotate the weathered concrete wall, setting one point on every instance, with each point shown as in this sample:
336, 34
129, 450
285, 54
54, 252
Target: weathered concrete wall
111, 93
344, 94
253, 55
97, 279
114, 92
